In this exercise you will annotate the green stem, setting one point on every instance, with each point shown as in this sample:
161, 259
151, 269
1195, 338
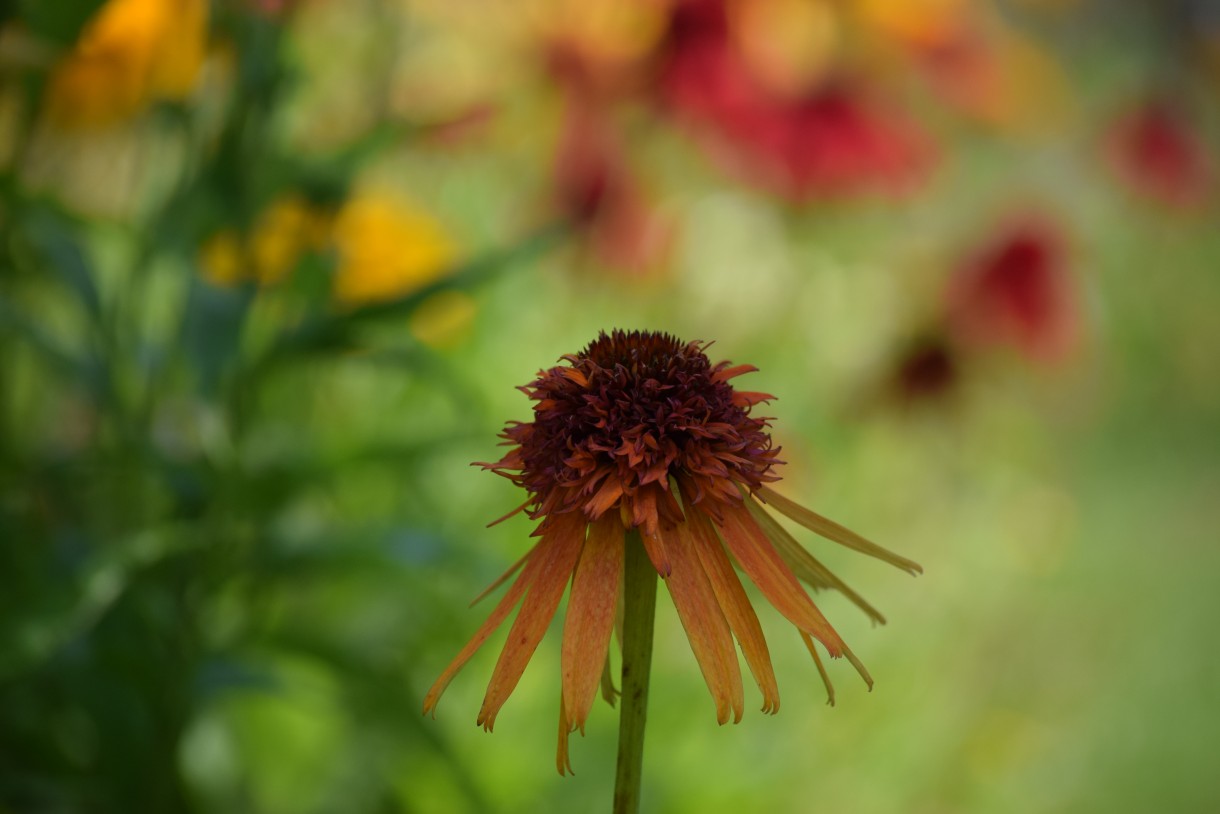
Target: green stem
639, 609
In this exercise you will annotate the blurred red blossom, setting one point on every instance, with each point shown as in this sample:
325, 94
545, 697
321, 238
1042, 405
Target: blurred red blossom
1016, 290
592, 183
1156, 149
832, 138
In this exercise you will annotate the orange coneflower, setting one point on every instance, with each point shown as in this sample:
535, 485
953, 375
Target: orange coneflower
640, 439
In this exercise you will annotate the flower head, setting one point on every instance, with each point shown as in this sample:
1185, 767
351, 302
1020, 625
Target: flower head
639, 439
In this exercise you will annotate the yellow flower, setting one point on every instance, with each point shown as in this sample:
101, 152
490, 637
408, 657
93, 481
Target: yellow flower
384, 248
131, 53
281, 235
387, 248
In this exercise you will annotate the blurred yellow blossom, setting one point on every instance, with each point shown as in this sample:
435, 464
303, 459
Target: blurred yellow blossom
919, 23
387, 247
132, 52
790, 45
444, 319
221, 259
281, 235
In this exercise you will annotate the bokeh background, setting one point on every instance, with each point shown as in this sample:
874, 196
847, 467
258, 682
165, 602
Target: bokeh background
270, 272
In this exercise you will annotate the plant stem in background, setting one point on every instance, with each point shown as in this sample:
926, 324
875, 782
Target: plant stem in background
640, 602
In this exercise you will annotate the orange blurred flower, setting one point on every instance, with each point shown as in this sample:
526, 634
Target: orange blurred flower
595, 189
130, 54
640, 440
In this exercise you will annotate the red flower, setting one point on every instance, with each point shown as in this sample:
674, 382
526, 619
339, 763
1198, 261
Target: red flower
1157, 151
594, 188
1016, 291
831, 140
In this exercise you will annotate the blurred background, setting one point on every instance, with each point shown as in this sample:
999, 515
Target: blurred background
270, 272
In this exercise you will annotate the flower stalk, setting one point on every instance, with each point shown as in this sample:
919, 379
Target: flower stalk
639, 611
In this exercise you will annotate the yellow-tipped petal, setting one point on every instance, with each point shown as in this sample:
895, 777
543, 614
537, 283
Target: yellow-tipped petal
813, 651
833, 531
805, 565
759, 559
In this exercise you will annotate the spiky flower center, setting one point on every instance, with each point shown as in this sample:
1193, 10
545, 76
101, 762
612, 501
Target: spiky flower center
626, 415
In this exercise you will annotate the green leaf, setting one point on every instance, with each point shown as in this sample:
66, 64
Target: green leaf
212, 328
52, 239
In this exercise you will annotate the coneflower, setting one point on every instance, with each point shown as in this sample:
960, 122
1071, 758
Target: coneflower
640, 446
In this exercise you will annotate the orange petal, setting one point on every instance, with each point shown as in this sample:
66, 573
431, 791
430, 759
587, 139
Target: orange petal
727, 373
748, 398
500, 580
611, 490
706, 628
501, 519
833, 531
502, 609
758, 558
644, 513
736, 606
557, 554
804, 564
590, 617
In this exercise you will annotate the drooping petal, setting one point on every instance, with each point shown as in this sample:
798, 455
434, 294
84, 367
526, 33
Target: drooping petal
723, 374
833, 531
859, 665
498, 615
504, 517
500, 580
557, 555
590, 616
706, 628
748, 398
759, 559
813, 651
805, 565
736, 606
